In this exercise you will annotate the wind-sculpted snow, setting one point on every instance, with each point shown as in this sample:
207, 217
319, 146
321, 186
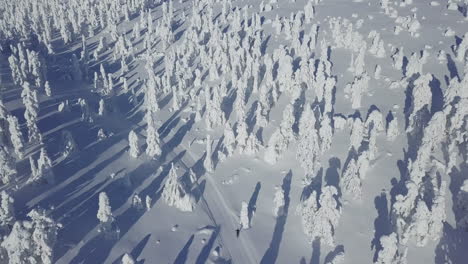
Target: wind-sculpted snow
134, 131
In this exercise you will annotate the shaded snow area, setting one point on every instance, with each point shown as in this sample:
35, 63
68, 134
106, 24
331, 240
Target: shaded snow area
225, 131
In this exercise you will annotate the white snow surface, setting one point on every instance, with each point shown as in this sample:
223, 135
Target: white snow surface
401, 151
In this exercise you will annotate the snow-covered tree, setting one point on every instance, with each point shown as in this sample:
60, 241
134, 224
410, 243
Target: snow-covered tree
133, 144
244, 216
319, 220
44, 235
421, 97
7, 212
104, 214
153, 144
7, 166
148, 202
127, 259
15, 135
174, 193
208, 162
278, 209
19, 243
102, 108
136, 202
43, 169
68, 143
308, 148
351, 182
48, 90
389, 253
276, 146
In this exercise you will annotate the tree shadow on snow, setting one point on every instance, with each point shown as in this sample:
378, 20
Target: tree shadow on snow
253, 200
183, 254
382, 224
272, 252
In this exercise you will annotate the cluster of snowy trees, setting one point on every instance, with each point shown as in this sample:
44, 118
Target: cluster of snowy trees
26, 241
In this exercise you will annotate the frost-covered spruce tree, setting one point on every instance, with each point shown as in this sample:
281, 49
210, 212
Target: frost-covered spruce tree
134, 150
463, 47
351, 182
325, 132
277, 144
127, 259
19, 243
389, 253
357, 132
327, 216
307, 209
421, 96
102, 108
16, 136
104, 214
278, 209
153, 144
44, 235
47, 89
244, 216
148, 202
208, 162
229, 140
308, 148
31, 104
68, 143
43, 170
174, 193
7, 166
319, 220
242, 134
7, 212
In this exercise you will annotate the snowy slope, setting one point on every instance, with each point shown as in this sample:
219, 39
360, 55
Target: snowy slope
269, 104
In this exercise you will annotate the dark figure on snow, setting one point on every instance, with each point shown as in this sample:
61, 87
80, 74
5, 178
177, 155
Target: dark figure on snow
237, 232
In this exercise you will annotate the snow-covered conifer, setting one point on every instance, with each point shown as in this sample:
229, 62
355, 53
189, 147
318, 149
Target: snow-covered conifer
208, 162
7, 212
308, 148
44, 235
389, 253
153, 144
127, 259
68, 143
421, 96
104, 214
278, 209
244, 216
136, 202
7, 166
48, 90
19, 243
16, 136
134, 145
148, 202
174, 193
102, 108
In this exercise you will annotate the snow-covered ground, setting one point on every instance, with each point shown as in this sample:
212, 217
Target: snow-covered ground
222, 131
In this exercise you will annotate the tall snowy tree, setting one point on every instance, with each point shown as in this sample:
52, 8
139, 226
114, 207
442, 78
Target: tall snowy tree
134, 145
7, 212
7, 166
16, 136
104, 214
174, 193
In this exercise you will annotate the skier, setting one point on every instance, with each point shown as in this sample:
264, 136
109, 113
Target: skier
237, 232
